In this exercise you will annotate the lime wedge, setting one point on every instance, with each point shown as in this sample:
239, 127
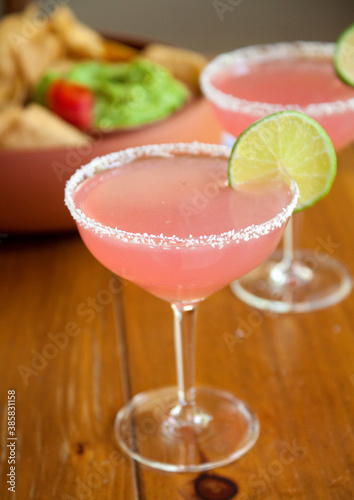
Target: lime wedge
290, 141
344, 56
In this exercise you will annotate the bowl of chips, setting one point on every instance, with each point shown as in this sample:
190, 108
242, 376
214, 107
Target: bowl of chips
42, 145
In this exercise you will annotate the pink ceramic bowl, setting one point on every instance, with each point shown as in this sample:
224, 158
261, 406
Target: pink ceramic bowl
32, 182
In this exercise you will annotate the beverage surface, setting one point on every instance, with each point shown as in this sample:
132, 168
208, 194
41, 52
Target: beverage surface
180, 197
300, 81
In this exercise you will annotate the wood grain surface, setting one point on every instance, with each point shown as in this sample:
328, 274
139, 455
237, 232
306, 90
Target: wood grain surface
76, 343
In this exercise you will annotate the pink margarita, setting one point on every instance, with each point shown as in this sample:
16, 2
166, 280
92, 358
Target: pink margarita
249, 83
171, 224
164, 217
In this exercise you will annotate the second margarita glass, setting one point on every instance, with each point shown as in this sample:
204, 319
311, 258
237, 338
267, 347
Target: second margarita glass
250, 83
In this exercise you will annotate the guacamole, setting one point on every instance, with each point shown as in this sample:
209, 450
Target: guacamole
125, 94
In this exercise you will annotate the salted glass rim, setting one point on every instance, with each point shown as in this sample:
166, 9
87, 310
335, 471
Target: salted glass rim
123, 157
263, 52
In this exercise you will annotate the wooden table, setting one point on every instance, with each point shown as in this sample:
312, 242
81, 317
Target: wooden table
76, 344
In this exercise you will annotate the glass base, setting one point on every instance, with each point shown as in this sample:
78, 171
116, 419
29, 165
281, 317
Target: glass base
222, 429
302, 285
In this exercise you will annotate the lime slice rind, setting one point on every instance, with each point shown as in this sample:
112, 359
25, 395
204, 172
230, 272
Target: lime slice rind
344, 56
290, 141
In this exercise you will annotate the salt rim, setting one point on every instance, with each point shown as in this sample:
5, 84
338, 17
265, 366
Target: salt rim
269, 52
120, 158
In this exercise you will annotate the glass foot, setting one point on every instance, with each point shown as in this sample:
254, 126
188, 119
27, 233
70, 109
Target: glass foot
221, 430
302, 285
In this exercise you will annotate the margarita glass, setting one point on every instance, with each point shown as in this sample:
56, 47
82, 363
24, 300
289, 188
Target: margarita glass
165, 218
250, 83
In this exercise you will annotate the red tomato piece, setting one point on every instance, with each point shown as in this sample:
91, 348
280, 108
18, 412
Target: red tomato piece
72, 102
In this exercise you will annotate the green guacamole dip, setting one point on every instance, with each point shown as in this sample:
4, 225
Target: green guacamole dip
126, 94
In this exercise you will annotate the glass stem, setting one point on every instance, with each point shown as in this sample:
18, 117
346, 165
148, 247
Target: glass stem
185, 342
288, 243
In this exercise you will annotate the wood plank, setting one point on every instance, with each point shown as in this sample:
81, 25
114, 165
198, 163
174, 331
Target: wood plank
66, 352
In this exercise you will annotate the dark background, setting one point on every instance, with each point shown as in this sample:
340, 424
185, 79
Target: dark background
213, 26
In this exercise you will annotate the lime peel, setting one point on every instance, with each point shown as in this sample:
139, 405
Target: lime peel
286, 140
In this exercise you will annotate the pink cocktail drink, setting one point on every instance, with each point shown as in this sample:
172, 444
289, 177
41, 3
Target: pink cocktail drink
181, 223
253, 82
249, 83
165, 218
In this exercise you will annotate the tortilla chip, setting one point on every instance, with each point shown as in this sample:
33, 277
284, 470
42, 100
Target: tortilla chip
27, 46
19, 30
8, 116
36, 127
79, 39
34, 21
115, 51
12, 91
35, 56
10, 25
10, 29
185, 65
